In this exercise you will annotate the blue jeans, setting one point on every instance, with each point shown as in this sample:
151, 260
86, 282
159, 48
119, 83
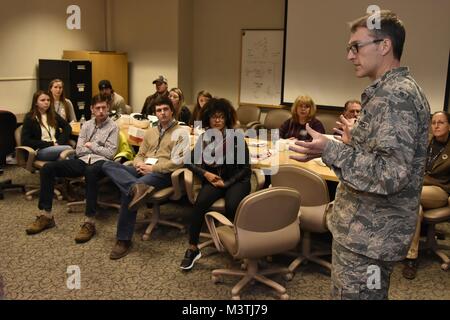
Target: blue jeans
51, 153
124, 178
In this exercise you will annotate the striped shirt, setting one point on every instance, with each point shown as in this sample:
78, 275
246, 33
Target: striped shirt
104, 139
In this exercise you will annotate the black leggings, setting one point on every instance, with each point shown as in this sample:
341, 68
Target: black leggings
207, 196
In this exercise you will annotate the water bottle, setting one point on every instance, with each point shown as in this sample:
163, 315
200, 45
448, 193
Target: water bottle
82, 121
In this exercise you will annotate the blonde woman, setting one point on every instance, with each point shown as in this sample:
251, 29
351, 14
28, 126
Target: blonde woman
303, 111
182, 112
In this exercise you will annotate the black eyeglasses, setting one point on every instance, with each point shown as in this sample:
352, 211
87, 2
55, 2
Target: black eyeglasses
354, 47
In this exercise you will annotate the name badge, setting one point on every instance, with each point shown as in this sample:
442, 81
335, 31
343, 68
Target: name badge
151, 161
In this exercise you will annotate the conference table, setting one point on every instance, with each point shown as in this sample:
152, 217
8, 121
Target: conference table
275, 156
281, 156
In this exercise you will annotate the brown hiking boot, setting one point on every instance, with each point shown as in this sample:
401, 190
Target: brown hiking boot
139, 192
86, 233
120, 249
40, 224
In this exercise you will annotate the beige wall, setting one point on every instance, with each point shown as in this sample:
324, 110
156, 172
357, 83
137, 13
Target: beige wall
185, 52
217, 40
30, 30
148, 32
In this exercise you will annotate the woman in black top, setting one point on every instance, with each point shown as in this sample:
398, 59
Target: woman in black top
182, 113
221, 159
44, 130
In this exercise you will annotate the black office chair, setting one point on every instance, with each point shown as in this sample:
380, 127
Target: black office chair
8, 124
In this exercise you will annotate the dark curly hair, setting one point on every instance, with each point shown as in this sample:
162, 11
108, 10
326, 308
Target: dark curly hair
219, 105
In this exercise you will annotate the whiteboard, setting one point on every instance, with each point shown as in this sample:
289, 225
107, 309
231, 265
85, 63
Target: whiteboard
261, 67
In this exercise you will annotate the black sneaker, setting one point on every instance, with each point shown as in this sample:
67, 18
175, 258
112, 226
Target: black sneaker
189, 259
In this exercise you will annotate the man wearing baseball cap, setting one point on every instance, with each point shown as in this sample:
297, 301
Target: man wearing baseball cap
116, 101
161, 91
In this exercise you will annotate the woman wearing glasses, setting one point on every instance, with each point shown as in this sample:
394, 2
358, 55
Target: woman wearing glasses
303, 111
436, 184
221, 160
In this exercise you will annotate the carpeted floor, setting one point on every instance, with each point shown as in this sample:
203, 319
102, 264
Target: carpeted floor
35, 267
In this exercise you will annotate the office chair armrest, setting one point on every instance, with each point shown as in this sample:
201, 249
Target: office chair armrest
178, 184
255, 125
25, 157
209, 218
66, 154
260, 178
252, 123
189, 185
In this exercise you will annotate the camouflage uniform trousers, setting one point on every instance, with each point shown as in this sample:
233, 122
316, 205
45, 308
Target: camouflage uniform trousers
356, 277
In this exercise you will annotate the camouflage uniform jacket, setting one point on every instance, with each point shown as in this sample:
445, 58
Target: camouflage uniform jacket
381, 170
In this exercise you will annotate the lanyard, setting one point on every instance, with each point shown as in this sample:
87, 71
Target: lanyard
47, 129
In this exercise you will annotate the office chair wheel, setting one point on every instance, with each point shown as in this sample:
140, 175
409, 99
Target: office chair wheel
288, 276
216, 279
284, 297
269, 259
444, 266
236, 298
29, 198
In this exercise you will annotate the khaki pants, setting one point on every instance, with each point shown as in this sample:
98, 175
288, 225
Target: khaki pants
432, 197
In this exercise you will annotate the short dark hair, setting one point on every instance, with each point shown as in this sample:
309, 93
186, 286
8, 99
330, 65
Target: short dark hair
390, 27
163, 100
99, 98
347, 103
219, 105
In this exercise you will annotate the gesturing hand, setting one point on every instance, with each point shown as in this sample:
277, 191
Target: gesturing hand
345, 128
309, 150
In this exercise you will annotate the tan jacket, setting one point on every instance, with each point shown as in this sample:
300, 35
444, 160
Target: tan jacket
154, 147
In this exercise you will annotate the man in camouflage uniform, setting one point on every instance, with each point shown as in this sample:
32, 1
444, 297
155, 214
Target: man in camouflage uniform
380, 165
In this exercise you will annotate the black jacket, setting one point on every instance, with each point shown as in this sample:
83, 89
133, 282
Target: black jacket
230, 173
32, 134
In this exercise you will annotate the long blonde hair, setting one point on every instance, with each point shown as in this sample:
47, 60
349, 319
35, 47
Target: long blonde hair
303, 101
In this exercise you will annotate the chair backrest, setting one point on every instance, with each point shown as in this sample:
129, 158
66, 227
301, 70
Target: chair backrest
247, 114
18, 135
263, 227
8, 124
314, 192
275, 118
328, 120
312, 187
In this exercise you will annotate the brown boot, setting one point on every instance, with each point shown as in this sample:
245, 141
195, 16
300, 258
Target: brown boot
86, 233
40, 224
139, 192
120, 249
409, 269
